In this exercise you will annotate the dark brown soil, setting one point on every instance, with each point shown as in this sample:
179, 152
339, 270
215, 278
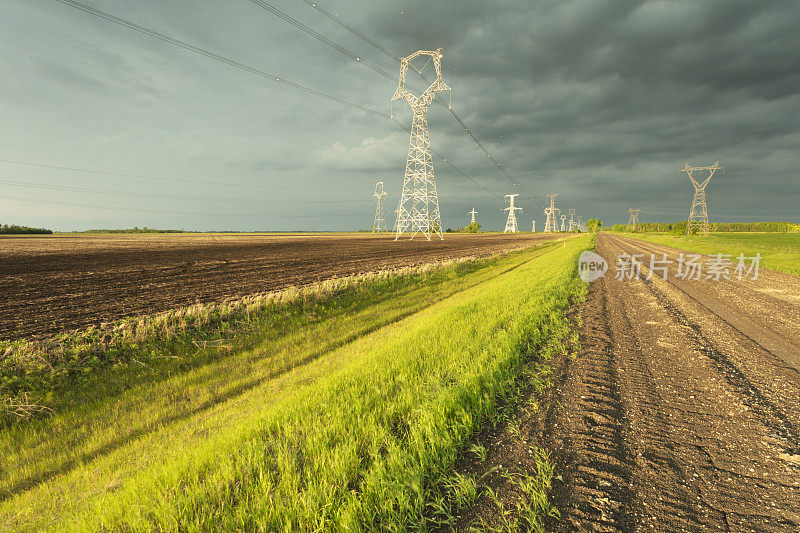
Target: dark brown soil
680, 410
49, 284
675, 416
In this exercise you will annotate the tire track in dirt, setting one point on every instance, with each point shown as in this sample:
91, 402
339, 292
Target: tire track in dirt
756, 399
701, 450
588, 427
766, 310
769, 377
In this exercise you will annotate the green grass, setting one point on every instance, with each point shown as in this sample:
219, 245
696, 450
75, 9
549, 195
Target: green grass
779, 251
96, 403
526, 504
81, 367
339, 422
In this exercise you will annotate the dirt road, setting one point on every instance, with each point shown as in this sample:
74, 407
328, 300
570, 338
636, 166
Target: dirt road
682, 409
49, 284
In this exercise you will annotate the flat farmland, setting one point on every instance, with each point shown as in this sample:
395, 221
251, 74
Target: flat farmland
49, 284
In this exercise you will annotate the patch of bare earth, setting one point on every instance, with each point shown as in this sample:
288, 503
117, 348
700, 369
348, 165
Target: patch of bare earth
49, 284
671, 417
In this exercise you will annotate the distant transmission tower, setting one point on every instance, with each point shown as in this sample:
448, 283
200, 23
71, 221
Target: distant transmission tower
396, 219
633, 219
511, 221
571, 220
473, 213
698, 215
580, 223
550, 225
533, 226
379, 225
563, 222
419, 202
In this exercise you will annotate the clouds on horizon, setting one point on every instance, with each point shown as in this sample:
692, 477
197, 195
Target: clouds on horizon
601, 100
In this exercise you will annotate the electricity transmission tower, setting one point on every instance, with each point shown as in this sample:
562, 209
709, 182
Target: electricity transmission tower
563, 222
633, 218
419, 202
580, 223
533, 226
698, 215
379, 225
473, 213
571, 220
511, 221
550, 225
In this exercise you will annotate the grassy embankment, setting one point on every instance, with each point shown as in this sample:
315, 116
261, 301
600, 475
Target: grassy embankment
41, 377
348, 422
779, 251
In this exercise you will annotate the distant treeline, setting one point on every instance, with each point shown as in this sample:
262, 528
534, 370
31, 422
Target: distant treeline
13, 229
680, 227
135, 229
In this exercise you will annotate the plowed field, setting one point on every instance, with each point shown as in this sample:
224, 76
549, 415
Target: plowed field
49, 284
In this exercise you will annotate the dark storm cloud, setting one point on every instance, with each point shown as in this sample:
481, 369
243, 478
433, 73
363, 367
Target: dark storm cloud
600, 100
615, 95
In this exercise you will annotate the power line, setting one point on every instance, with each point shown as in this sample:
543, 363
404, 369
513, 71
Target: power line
53, 187
383, 49
352, 55
202, 51
322, 38
402, 12
193, 48
112, 208
500, 167
451, 165
162, 178
341, 49
719, 213
350, 28
444, 160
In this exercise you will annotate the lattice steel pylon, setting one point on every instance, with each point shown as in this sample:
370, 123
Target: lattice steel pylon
571, 220
633, 218
533, 226
698, 214
550, 225
396, 217
563, 222
511, 221
580, 223
473, 213
419, 201
379, 224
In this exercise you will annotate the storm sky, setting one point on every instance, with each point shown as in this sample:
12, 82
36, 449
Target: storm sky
599, 101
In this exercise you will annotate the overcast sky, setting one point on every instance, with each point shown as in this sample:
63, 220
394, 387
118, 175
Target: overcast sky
600, 101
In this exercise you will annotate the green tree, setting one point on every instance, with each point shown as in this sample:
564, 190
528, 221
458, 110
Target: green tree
473, 227
594, 225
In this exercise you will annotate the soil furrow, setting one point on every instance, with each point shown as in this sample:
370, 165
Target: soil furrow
56, 283
590, 453
757, 401
703, 448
